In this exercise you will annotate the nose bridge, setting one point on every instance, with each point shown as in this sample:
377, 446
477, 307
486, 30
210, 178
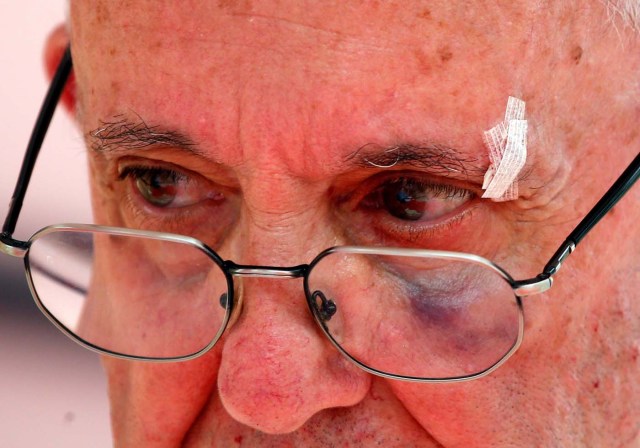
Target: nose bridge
284, 219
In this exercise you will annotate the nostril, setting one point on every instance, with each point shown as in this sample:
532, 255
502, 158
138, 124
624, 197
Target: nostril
325, 308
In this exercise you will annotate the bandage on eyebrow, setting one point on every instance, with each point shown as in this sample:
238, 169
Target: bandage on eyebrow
507, 145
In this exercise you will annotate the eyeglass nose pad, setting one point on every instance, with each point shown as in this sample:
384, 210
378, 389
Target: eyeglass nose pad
324, 308
237, 304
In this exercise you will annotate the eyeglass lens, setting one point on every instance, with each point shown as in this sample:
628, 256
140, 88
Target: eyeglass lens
127, 294
416, 316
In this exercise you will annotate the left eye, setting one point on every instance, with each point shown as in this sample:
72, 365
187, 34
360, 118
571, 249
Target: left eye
411, 199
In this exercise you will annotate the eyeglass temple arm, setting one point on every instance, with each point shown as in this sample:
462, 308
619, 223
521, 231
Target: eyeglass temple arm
611, 197
543, 281
35, 143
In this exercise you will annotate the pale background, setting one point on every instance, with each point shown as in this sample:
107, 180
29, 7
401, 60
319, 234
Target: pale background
52, 392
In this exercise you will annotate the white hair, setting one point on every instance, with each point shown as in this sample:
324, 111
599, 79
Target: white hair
627, 10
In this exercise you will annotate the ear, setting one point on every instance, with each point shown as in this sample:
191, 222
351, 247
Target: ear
55, 46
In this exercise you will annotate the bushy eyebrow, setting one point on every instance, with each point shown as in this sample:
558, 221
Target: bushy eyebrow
121, 133
438, 159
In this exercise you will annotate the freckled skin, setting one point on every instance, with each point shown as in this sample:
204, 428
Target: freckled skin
277, 95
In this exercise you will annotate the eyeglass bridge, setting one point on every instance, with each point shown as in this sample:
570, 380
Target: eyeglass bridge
325, 308
266, 271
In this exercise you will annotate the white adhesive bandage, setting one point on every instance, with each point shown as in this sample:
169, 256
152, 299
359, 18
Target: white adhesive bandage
507, 145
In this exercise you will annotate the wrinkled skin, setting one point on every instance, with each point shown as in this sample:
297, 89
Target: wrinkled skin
277, 96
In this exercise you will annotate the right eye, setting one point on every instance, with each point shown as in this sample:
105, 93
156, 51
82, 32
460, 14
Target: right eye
166, 198
159, 187
167, 188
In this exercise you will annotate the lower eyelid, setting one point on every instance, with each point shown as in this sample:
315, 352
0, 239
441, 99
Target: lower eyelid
446, 233
193, 222
431, 229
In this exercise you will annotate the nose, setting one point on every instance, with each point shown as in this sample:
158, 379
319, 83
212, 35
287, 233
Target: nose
277, 369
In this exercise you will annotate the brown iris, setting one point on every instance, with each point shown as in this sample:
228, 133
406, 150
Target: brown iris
157, 186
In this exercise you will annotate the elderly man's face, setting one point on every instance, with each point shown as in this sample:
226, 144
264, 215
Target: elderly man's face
279, 99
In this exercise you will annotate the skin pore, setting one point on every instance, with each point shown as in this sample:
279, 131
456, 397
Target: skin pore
274, 109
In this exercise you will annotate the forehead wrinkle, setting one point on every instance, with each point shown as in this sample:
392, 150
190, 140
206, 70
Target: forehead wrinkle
275, 46
329, 35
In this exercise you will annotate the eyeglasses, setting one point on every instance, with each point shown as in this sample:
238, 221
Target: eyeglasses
407, 314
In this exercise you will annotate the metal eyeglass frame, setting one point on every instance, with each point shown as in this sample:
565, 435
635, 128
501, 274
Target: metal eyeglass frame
521, 288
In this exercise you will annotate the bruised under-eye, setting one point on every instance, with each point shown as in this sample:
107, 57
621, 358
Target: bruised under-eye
437, 284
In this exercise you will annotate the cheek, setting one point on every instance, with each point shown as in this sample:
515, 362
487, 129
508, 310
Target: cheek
478, 413
159, 402
152, 298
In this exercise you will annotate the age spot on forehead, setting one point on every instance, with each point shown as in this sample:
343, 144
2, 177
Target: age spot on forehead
445, 54
427, 61
576, 54
425, 14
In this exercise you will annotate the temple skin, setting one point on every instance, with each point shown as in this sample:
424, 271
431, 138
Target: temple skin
276, 97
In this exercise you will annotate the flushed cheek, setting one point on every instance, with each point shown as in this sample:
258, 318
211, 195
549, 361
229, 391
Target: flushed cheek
156, 404
509, 407
461, 414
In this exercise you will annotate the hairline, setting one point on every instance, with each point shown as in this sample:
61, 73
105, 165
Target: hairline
628, 11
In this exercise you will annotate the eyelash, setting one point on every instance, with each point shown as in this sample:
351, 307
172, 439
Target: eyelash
138, 171
442, 191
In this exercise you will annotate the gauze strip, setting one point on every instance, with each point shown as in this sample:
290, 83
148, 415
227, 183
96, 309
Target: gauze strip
507, 145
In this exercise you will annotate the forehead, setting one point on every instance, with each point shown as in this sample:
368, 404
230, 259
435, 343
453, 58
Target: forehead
335, 66
331, 41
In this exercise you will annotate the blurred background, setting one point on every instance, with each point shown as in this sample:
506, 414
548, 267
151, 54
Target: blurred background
53, 392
